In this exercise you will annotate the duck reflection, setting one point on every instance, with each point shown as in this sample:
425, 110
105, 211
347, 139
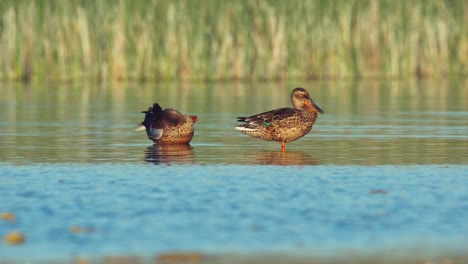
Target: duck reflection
166, 154
279, 158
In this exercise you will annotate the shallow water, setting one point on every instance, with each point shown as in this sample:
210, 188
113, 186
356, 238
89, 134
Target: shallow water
385, 168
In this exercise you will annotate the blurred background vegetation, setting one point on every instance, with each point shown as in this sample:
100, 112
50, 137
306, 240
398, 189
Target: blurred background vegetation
165, 40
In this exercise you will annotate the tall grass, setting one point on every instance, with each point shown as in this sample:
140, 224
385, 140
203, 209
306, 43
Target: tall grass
224, 40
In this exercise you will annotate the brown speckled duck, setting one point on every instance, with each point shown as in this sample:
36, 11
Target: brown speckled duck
283, 124
167, 126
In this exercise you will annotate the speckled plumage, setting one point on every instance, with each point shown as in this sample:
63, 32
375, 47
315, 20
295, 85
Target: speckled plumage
283, 124
167, 126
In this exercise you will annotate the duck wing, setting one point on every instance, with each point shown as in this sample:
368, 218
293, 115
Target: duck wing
265, 119
172, 117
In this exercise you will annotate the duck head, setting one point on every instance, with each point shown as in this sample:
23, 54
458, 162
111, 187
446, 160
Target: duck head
301, 100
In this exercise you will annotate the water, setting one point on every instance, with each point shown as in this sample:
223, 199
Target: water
384, 169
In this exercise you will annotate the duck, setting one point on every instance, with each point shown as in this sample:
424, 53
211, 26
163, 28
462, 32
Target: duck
283, 124
167, 126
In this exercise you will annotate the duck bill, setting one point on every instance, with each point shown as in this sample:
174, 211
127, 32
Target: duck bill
313, 106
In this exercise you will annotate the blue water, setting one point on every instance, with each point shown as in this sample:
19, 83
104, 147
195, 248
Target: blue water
382, 171
146, 209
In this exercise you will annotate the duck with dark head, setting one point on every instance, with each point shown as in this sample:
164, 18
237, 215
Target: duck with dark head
167, 126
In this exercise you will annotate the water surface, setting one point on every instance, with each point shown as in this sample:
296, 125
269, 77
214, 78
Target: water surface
384, 169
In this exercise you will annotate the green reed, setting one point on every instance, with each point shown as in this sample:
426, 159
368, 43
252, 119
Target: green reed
232, 40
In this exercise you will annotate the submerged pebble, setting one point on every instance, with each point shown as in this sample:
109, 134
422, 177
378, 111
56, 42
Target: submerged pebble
14, 238
378, 191
81, 230
9, 216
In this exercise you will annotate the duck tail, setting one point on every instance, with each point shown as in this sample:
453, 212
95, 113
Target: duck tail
157, 108
241, 119
150, 114
153, 110
244, 128
140, 127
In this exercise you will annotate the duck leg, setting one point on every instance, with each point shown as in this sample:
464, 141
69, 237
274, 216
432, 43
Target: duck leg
283, 146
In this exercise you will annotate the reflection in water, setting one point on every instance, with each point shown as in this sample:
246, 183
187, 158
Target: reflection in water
368, 123
166, 154
279, 158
